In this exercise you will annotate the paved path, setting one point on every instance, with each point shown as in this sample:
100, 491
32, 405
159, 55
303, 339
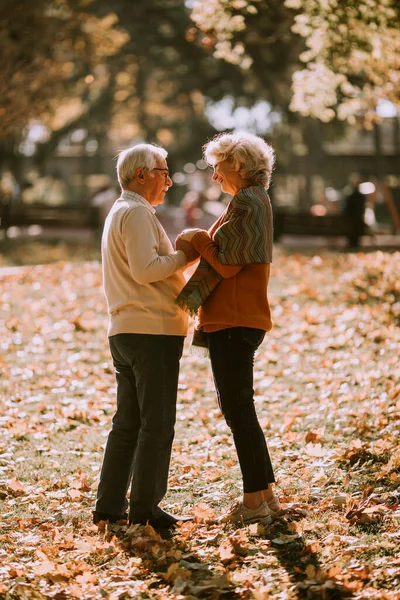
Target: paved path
5, 271
287, 243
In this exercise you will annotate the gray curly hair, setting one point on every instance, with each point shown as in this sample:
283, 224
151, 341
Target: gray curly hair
252, 157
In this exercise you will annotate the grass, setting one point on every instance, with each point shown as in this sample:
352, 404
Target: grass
16, 252
328, 400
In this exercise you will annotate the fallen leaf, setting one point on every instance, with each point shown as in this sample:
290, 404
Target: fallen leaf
15, 487
310, 571
74, 494
315, 450
44, 567
226, 551
203, 512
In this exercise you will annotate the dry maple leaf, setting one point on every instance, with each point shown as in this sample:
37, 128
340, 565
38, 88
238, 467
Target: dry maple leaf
310, 571
355, 513
74, 494
86, 577
75, 591
44, 568
15, 487
175, 571
203, 512
226, 551
312, 436
315, 450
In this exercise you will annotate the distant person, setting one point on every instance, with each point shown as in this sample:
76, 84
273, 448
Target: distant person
354, 210
142, 275
5, 211
191, 206
9, 200
228, 292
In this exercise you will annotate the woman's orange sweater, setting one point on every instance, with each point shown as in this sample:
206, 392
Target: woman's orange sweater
240, 299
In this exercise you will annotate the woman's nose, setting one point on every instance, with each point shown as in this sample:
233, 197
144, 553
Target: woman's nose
214, 177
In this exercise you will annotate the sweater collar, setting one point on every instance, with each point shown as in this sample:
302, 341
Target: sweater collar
127, 195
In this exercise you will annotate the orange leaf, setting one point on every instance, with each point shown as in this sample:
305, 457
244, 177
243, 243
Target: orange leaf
312, 436
44, 567
77, 484
315, 450
310, 571
203, 512
226, 551
74, 494
87, 577
75, 591
15, 487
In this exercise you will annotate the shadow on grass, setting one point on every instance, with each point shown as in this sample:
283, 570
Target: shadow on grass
299, 558
168, 560
203, 561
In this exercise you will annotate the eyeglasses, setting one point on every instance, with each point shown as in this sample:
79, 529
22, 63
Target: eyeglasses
166, 171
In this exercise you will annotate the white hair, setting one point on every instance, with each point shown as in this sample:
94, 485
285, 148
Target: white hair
141, 155
252, 157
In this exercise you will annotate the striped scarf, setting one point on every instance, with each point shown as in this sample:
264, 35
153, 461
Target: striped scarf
244, 237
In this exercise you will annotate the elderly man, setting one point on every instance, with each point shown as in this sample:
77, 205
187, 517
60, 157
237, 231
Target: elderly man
142, 277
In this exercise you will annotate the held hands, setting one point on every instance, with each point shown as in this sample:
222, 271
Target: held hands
187, 248
187, 234
183, 242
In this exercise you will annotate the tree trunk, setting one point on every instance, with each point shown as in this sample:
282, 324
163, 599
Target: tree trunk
380, 160
396, 135
313, 140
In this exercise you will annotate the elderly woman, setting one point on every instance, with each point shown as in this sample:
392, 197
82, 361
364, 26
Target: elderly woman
228, 293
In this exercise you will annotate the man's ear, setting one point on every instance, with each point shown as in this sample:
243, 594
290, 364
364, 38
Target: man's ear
139, 175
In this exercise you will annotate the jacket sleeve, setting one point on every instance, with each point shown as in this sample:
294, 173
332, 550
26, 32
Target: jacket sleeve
203, 243
142, 240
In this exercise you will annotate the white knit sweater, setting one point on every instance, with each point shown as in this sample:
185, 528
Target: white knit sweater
142, 275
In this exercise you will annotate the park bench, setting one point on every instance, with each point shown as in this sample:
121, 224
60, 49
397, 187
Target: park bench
305, 223
69, 216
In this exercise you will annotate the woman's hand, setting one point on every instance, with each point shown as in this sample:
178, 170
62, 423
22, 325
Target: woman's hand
187, 248
187, 234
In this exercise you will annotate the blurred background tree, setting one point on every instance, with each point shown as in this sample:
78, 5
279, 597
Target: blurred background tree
49, 50
89, 80
315, 61
162, 78
349, 59
85, 79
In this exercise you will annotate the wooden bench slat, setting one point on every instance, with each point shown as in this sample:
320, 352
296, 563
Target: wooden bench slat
307, 224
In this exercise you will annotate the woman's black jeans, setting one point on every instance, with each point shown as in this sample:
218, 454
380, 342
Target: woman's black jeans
232, 360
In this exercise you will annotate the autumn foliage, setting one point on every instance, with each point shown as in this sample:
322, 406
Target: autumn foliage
349, 59
327, 391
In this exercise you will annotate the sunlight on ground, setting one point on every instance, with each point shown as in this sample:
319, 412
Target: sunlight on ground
328, 396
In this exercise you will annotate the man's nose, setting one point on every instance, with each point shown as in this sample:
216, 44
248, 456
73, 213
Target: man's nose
169, 181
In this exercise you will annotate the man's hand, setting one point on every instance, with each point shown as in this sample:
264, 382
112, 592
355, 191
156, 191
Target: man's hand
187, 234
187, 248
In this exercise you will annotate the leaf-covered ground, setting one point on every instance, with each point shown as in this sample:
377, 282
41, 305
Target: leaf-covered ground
327, 391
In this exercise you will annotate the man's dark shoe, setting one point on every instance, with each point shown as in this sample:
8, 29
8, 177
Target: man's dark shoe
161, 520
99, 516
